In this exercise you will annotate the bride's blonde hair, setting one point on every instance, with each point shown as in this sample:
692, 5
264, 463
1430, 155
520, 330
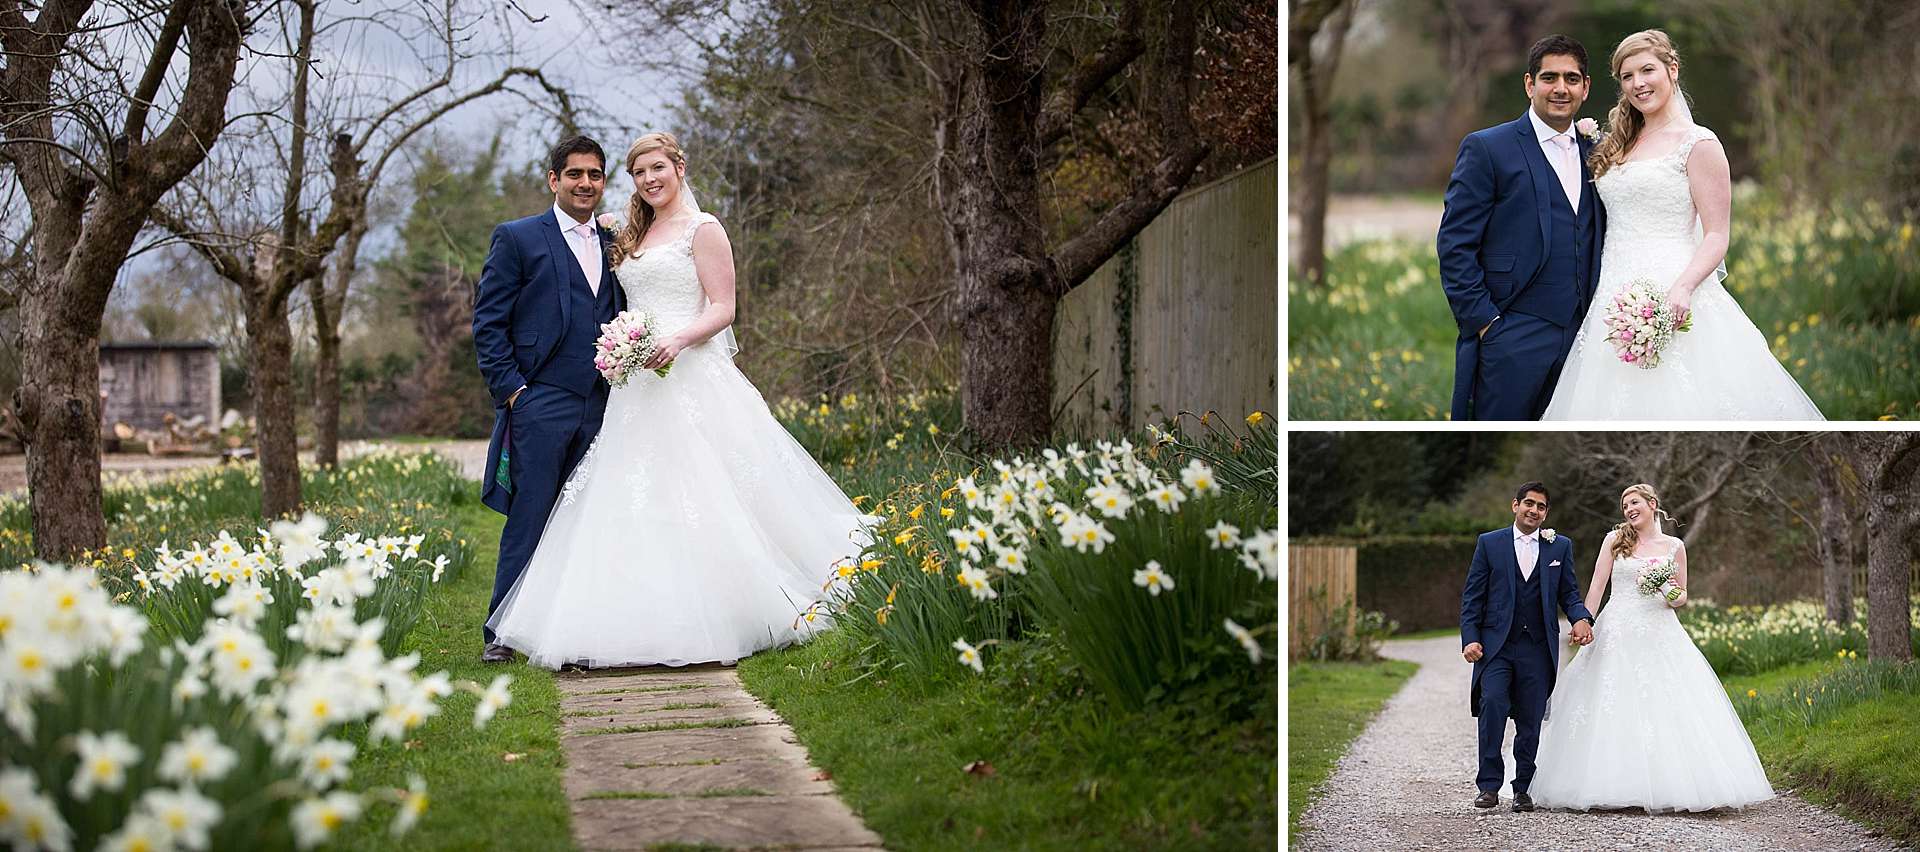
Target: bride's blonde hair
1624, 123
1628, 538
639, 213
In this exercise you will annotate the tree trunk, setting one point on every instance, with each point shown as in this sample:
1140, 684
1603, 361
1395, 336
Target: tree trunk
59, 405
327, 308
1007, 297
1835, 535
270, 358
1889, 466
1315, 77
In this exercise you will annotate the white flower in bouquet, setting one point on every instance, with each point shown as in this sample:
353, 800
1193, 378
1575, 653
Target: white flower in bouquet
624, 345
1658, 579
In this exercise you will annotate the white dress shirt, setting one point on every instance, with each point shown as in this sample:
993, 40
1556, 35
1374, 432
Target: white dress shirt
1565, 161
1526, 551
586, 247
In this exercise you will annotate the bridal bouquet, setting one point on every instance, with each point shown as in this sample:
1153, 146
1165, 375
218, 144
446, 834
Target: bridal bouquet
1658, 579
1640, 324
625, 344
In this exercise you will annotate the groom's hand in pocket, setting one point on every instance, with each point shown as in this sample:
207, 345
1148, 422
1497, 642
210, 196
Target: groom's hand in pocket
1472, 652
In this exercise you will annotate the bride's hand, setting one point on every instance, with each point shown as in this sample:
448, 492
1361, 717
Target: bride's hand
1681, 299
669, 350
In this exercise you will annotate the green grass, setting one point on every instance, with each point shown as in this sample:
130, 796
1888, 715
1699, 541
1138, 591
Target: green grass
1851, 748
1838, 298
1328, 705
1779, 679
1435, 633
479, 800
1066, 771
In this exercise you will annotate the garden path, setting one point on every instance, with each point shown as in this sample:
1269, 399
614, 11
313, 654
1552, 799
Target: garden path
661, 755
1407, 783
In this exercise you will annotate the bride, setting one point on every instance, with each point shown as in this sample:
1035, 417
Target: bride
1664, 181
1639, 719
695, 529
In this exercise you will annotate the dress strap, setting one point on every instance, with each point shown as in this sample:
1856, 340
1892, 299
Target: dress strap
1694, 138
699, 219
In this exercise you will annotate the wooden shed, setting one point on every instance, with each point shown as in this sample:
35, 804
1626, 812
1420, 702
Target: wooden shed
142, 382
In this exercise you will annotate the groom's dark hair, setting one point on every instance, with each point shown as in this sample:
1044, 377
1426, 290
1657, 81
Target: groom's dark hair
1539, 488
1555, 45
557, 161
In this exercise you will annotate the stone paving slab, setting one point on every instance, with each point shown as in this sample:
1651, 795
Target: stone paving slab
638, 789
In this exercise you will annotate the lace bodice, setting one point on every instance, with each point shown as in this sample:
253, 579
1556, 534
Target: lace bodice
1626, 603
662, 280
1652, 227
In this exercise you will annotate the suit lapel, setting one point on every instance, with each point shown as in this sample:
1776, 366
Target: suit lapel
1541, 172
565, 266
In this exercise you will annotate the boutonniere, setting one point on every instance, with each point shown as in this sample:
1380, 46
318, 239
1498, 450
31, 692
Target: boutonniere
1589, 128
610, 221
1547, 535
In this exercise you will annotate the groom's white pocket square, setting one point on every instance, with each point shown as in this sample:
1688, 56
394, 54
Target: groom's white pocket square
1554, 564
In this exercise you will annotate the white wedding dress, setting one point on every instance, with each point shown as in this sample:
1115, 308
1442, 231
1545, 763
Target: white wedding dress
1721, 370
695, 529
1639, 719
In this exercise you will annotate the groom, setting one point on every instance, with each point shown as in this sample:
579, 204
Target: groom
543, 294
1511, 635
1519, 243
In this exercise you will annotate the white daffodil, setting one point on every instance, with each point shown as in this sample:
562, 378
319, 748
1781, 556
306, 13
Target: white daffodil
1246, 640
969, 655
1010, 559
300, 541
1110, 500
1264, 547
103, 763
326, 763
1153, 579
245, 603
1199, 477
316, 820
1223, 536
493, 700
26, 664
963, 543
37, 825
413, 804
1166, 498
439, 566
184, 814
1083, 533
971, 494
198, 757
975, 579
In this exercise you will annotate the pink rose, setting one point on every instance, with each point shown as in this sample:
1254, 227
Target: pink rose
600, 363
633, 334
1629, 358
1646, 312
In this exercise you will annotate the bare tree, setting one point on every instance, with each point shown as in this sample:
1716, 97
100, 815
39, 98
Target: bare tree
1888, 464
1837, 484
1316, 35
1482, 34
75, 131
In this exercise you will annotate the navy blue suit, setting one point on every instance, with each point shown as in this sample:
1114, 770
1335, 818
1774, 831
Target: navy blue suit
1514, 619
535, 321
1512, 246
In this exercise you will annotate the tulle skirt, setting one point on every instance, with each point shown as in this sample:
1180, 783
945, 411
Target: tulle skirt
694, 530
1639, 719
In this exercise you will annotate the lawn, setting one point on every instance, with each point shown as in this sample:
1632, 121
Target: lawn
1838, 297
1023, 757
1328, 705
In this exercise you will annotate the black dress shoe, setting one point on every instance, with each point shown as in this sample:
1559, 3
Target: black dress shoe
496, 653
1486, 800
1522, 803
572, 667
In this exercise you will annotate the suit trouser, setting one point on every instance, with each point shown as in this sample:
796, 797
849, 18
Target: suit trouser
550, 430
1514, 684
1520, 362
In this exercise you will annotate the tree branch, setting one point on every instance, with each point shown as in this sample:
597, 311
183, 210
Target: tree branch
164, 48
1092, 73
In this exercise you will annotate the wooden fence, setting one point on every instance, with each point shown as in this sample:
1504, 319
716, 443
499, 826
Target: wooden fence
1186, 317
1320, 581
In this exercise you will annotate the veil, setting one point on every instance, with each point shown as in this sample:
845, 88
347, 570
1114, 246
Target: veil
1684, 104
725, 336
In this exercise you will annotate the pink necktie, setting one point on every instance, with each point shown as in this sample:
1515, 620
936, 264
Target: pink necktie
586, 249
1569, 170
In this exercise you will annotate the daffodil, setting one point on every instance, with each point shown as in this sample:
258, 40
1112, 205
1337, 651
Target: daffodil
969, 655
1153, 579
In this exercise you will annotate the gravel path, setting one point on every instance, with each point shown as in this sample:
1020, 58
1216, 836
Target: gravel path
1407, 783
